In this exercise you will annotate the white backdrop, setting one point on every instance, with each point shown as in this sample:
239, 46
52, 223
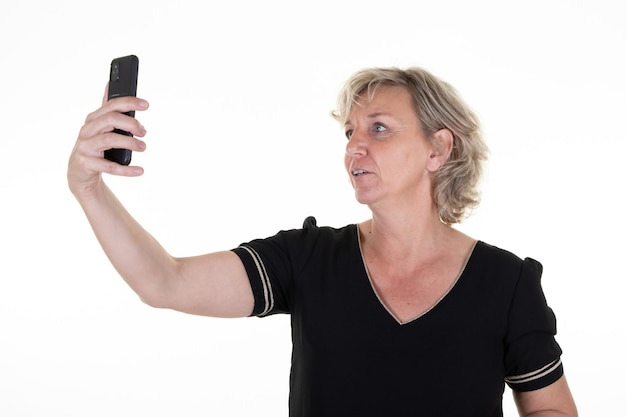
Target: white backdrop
240, 145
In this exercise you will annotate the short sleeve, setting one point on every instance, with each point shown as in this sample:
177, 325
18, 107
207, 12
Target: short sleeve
532, 355
271, 265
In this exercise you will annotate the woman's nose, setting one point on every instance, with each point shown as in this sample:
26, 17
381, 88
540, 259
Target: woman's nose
356, 144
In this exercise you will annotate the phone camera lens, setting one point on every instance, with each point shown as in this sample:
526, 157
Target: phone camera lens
115, 71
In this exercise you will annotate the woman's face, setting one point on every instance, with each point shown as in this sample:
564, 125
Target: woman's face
388, 158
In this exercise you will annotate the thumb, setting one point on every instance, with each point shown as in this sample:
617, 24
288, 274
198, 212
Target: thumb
105, 98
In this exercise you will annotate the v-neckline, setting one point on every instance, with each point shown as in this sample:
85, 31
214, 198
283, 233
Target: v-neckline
426, 311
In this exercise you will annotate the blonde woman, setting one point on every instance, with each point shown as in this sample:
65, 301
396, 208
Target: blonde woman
399, 315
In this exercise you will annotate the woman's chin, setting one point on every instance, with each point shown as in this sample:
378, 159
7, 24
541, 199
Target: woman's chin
364, 198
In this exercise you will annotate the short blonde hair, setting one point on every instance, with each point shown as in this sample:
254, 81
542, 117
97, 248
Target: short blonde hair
438, 106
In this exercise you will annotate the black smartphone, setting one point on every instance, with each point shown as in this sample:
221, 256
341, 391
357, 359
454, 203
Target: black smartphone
122, 83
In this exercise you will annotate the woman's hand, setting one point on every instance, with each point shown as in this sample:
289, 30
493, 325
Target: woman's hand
87, 163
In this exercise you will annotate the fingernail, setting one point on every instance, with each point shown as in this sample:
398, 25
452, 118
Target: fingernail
142, 104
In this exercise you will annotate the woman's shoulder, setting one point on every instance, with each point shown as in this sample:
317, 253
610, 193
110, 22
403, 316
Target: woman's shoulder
500, 270
496, 253
489, 257
311, 235
310, 227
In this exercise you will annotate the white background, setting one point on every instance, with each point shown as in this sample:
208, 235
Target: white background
240, 145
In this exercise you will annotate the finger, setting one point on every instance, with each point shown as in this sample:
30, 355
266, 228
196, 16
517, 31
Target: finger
94, 147
113, 168
126, 104
120, 105
113, 140
111, 121
105, 97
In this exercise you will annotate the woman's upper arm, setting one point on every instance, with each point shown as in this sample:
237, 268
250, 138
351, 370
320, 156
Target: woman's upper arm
552, 400
214, 285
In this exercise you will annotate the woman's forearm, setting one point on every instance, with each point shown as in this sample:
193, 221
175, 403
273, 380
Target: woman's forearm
141, 261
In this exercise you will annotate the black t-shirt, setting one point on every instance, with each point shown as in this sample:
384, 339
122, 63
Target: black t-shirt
351, 357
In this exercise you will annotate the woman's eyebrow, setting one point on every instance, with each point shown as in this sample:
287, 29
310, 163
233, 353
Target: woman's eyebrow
372, 116
376, 114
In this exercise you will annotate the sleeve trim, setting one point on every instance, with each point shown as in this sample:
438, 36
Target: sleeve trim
532, 376
268, 293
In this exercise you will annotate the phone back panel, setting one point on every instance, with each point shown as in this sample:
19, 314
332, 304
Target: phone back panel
122, 83
123, 77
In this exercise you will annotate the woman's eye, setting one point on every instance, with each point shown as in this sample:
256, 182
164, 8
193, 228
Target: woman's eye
348, 134
379, 128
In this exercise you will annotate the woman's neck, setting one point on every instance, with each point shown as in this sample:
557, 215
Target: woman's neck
398, 235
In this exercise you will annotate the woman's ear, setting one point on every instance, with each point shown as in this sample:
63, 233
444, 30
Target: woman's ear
442, 141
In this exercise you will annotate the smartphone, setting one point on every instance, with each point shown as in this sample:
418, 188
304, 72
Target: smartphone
122, 83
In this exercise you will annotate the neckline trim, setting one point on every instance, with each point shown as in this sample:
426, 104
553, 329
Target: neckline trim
435, 304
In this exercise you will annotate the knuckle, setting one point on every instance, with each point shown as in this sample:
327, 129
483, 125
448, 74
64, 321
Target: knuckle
109, 118
109, 139
111, 168
82, 132
90, 116
110, 104
79, 148
118, 103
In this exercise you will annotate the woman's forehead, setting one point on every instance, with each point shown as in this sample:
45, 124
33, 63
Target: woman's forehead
384, 99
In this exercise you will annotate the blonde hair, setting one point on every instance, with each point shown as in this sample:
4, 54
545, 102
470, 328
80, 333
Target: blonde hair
438, 106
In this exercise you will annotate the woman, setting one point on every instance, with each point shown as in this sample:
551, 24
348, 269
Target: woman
399, 315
